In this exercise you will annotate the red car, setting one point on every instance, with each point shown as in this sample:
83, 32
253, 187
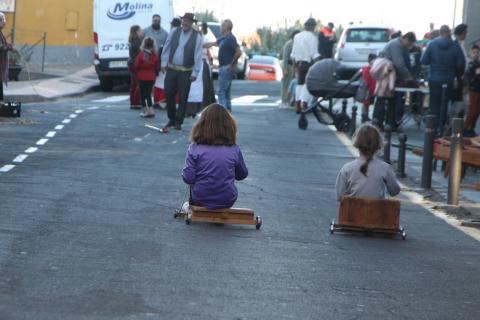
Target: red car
264, 68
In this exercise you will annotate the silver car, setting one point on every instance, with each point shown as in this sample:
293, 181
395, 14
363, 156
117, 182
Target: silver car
358, 41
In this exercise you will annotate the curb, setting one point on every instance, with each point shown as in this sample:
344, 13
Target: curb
39, 98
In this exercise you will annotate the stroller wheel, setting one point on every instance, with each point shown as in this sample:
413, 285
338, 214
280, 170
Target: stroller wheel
342, 122
303, 122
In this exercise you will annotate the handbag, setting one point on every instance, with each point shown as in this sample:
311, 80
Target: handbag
362, 92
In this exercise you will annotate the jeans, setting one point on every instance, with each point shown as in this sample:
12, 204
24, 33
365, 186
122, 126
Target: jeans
225, 77
439, 104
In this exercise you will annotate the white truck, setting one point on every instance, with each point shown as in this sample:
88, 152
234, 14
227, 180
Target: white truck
112, 20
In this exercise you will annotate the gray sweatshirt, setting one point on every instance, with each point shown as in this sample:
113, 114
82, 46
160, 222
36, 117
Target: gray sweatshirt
380, 176
397, 53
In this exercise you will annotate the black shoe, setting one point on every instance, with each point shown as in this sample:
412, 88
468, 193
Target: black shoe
170, 124
157, 106
469, 134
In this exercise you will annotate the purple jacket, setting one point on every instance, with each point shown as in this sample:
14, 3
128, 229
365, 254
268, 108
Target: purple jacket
211, 171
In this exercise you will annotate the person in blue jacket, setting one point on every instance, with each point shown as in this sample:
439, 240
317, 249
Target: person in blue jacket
446, 62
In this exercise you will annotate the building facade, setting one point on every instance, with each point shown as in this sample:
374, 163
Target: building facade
67, 25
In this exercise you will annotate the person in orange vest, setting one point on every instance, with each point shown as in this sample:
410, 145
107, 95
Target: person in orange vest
326, 41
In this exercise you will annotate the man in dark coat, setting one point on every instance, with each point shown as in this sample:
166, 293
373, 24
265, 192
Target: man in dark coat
446, 62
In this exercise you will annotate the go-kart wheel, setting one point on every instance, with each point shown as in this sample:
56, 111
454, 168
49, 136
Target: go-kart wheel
303, 122
258, 224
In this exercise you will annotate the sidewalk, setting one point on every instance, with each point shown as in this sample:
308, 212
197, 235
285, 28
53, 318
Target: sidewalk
65, 81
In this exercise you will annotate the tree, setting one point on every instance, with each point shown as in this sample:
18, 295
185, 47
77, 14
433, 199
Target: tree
206, 16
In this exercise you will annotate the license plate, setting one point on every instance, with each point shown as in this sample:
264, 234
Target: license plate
256, 71
118, 64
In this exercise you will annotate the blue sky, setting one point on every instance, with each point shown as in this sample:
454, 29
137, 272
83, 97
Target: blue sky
405, 15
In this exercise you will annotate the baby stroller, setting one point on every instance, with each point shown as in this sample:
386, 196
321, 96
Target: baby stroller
323, 83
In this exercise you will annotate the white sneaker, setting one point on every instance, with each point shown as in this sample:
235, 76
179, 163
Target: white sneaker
186, 208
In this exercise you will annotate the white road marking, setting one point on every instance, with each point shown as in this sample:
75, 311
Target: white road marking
51, 134
7, 168
73, 116
113, 99
31, 150
59, 127
66, 121
20, 158
42, 142
79, 111
248, 99
93, 108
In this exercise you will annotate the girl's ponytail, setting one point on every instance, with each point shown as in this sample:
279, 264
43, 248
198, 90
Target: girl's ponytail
368, 141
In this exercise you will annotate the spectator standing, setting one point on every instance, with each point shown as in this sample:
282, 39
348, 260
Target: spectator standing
397, 51
326, 40
147, 68
304, 54
473, 76
5, 47
134, 42
228, 54
208, 88
446, 62
160, 35
429, 35
287, 68
370, 84
182, 61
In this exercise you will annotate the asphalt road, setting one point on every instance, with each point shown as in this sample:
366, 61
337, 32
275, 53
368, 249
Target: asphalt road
86, 227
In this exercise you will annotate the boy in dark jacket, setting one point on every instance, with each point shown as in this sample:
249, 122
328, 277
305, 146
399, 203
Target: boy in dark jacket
446, 62
473, 75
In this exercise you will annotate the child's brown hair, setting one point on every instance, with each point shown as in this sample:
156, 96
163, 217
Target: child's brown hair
148, 43
368, 141
215, 127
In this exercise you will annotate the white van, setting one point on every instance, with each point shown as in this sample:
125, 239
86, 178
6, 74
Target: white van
112, 20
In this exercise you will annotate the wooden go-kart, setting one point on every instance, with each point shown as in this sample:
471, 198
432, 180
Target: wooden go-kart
221, 216
369, 216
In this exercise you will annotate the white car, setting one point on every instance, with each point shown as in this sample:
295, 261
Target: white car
358, 41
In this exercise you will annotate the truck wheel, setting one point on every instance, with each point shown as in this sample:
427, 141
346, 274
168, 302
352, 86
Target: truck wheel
106, 84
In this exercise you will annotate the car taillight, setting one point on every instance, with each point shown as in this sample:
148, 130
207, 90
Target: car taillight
95, 38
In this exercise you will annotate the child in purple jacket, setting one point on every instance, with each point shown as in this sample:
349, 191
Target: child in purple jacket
214, 160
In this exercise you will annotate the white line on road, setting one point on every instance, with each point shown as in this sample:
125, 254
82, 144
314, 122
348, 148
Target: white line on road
112, 99
51, 134
248, 99
7, 168
93, 108
66, 121
59, 127
20, 158
73, 116
79, 111
31, 150
42, 142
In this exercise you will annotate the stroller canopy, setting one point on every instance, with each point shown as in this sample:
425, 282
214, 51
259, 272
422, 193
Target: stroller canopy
322, 80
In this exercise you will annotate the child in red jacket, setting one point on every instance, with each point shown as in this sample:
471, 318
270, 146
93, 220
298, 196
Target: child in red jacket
371, 83
147, 66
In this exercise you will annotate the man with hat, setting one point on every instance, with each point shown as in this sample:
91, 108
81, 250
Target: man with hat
182, 61
304, 54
